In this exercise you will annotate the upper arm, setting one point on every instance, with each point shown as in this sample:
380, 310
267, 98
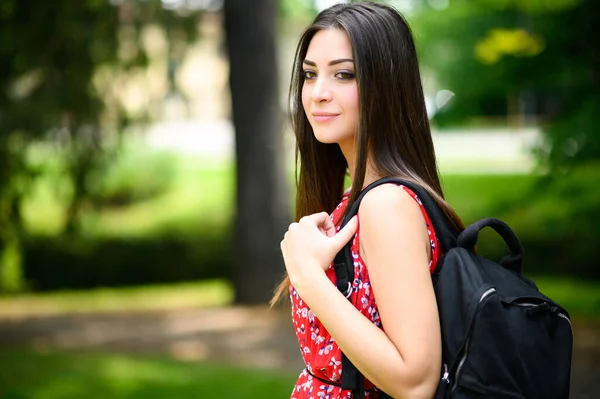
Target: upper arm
395, 246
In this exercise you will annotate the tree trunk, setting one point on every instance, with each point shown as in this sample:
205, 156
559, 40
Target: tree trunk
262, 202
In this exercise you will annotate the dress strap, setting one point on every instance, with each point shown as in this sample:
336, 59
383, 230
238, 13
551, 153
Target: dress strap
335, 384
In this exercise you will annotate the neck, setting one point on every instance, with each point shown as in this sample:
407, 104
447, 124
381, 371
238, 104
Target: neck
348, 150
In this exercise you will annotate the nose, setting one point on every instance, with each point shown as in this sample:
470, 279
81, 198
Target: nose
321, 91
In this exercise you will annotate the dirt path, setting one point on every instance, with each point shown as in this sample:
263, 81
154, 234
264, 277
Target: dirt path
250, 336
239, 335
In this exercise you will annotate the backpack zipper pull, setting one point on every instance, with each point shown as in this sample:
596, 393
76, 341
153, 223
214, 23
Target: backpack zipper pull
446, 376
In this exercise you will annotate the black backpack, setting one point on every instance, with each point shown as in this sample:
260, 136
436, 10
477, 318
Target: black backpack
501, 337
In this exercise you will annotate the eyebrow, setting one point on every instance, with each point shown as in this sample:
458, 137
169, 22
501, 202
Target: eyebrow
334, 62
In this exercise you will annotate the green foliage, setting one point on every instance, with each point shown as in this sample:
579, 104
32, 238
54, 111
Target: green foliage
477, 196
11, 273
574, 139
507, 58
533, 6
580, 297
446, 41
52, 263
126, 181
180, 235
296, 9
556, 218
26, 374
64, 70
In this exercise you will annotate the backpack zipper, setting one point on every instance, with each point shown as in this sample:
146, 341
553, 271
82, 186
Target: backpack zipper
531, 305
461, 363
564, 316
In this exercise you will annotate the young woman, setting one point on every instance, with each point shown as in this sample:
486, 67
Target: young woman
358, 108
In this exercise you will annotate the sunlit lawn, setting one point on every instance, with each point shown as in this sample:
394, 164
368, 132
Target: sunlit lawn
26, 374
159, 297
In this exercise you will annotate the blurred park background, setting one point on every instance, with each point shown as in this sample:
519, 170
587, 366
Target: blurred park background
147, 176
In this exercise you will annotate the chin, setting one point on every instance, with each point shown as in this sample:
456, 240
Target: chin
327, 137
325, 140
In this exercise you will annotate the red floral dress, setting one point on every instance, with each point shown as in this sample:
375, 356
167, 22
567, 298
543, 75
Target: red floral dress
322, 356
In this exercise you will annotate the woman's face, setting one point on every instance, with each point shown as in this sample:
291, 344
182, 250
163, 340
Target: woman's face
330, 92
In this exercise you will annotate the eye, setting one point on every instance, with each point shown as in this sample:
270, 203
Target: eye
344, 75
308, 74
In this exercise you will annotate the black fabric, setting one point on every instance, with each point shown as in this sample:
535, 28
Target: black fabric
469, 236
501, 337
344, 270
352, 379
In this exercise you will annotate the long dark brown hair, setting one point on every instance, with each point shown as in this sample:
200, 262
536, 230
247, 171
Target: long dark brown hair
393, 124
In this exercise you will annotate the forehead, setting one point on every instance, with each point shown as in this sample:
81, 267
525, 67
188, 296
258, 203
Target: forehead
329, 44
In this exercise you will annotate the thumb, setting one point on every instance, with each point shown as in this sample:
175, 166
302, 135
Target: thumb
346, 233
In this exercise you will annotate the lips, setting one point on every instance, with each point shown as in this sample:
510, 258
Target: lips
324, 116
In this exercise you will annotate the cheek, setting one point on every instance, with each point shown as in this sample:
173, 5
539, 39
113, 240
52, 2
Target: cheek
351, 102
305, 98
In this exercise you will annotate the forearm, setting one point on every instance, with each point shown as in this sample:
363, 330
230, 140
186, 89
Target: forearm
365, 345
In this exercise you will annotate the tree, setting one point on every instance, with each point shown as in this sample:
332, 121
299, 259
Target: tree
520, 56
262, 205
62, 70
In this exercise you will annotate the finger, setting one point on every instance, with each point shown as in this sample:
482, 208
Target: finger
326, 222
316, 219
326, 225
346, 233
322, 221
329, 228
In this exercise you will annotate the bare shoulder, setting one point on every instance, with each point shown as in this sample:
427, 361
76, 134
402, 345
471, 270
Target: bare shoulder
388, 201
390, 218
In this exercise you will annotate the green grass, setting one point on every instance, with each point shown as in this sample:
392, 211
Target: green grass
161, 297
27, 374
